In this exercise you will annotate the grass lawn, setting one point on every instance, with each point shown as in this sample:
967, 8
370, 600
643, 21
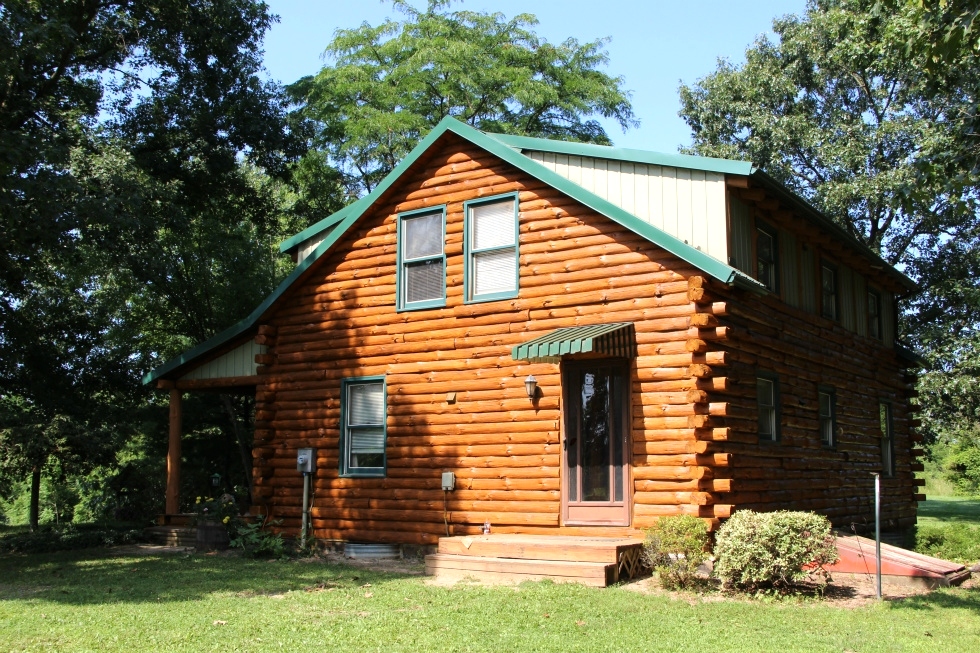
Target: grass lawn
949, 528
950, 510
95, 601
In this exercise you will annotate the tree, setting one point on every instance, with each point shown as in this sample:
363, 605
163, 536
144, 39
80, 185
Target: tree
136, 140
837, 110
867, 109
390, 84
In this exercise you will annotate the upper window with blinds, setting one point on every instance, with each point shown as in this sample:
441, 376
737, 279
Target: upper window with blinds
421, 277
362, 437
490, 270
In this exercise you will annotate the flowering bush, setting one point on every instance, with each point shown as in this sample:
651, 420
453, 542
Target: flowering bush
674, 548
224, 509
758, 550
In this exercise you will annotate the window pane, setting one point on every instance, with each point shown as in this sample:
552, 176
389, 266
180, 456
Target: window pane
494, 272
423, 236
766, 399
367, 440
874, 315
362, 460
825, 404
423, 281
493, 225
366, 404
826, 418
828, 283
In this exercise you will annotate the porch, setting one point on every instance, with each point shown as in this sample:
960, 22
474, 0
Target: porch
512, 558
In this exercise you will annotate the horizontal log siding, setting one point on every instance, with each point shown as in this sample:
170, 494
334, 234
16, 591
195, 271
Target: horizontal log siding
796, 472
576, 267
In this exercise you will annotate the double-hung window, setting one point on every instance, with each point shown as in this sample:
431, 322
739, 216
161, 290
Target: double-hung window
362, 434
421, 274
828, 288
887, 445
827, 400
767, 393
874, 314
490, 270
765, 251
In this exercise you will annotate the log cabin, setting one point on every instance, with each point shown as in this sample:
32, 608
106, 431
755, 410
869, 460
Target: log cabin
586, 337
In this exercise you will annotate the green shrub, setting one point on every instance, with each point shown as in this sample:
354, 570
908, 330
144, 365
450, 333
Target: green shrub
256, 541
68, 537
760, 550
674, 548
957, 542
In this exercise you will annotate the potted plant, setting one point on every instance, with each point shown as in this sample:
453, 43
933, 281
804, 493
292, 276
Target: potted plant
212, 518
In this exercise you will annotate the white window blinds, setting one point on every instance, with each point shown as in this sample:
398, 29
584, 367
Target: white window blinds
493, 249
422, 275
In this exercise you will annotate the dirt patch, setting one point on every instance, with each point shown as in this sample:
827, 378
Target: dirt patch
844, 591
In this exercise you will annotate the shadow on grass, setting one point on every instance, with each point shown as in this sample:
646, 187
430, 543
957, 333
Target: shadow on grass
951, 510
100, 576
942, 599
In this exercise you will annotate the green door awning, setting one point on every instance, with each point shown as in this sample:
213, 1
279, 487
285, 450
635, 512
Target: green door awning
614, 340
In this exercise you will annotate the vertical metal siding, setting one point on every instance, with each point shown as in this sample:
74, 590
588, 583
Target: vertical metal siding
688, 204
861, 304
237, 362
845, 284
741, 256
888, 318
306, 247
808, 282
789, 266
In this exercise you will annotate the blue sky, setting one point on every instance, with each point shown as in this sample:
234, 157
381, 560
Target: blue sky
655, 44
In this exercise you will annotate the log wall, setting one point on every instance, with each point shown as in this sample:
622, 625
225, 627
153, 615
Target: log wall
797, 472
694, 446
576, 267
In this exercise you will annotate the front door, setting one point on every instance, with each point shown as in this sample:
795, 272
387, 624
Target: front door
596, 447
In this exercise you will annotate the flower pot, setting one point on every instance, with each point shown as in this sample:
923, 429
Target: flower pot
211, 536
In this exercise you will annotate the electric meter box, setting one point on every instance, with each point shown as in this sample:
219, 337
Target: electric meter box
448, 481
306, 460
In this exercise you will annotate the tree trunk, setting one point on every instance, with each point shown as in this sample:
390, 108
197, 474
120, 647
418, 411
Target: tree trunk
35, 497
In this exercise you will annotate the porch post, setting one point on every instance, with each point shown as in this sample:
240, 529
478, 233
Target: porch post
173, 455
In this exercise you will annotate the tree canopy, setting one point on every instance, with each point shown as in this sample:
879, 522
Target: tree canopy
140, 148
867, 109
388, 85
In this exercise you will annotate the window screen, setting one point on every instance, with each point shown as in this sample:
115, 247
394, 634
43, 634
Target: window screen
887, 445
492, 239
765, 247
766, 397
364, 427
828, 288
422, 277
827, 410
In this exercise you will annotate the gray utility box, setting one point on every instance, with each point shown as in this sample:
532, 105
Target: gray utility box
448, 481
306, 460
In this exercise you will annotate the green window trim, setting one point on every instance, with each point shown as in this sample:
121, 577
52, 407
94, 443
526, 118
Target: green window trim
827, 416
829, 291
470, 252
401, 281
767, 264
887, 439
875, 322
349, 431
768, 406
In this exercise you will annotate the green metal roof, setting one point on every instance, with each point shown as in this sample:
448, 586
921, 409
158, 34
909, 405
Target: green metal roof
616, 339
320, 226
345, 218
707, 164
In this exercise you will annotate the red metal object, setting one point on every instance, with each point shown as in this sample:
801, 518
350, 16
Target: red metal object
857, 556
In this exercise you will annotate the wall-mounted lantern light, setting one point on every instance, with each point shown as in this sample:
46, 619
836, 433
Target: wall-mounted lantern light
531, 385
215, 479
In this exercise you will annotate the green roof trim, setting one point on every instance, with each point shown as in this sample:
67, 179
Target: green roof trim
316, 228
707, 164
491, 143
617, 339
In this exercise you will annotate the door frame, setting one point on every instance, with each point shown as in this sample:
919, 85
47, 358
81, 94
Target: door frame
618, 513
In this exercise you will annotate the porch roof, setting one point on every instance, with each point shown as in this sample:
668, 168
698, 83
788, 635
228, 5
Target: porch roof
617, 339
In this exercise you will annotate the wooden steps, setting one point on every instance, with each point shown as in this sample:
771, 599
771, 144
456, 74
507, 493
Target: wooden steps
508, 558
180, 536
